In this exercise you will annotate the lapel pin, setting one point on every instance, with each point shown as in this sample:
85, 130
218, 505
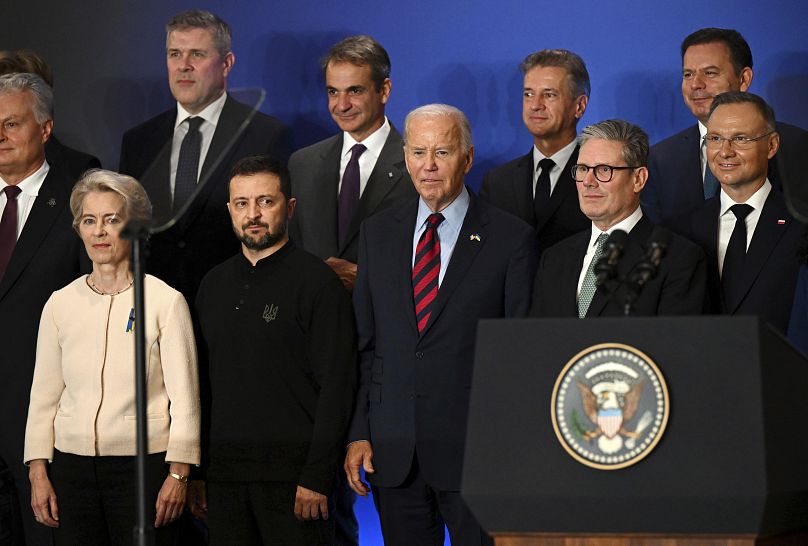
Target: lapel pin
781, 222
474, 237
390, 174
51, 202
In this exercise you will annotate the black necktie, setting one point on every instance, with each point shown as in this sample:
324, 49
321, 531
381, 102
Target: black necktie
542, 196
425, 270
349, 192
732, 270
188, 163
8, 227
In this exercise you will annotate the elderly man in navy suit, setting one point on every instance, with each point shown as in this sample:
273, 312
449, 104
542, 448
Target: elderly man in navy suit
429, 269
714, 61
750, 239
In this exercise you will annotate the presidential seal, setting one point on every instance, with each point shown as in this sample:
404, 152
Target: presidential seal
610, 406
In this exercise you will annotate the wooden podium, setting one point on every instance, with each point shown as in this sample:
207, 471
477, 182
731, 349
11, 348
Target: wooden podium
731, 469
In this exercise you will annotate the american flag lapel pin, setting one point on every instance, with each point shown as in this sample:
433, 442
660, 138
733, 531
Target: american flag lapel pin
474, 237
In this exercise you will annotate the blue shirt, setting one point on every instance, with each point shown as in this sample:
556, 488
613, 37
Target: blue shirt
448, 230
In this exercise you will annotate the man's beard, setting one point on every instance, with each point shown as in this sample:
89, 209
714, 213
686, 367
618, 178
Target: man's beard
267, 241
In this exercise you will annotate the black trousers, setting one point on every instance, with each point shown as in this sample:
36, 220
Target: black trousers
97, 499
261, 514
414, 514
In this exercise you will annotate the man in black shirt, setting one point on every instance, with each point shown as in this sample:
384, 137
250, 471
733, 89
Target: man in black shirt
281, 351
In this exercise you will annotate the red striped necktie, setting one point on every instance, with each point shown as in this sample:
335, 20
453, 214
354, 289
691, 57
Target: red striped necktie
426, 270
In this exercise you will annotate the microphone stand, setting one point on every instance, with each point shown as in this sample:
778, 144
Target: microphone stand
138, 232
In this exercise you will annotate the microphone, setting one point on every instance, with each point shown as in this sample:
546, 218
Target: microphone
606, 267
656, 248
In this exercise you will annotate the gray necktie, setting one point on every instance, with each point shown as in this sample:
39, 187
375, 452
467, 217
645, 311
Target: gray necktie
588, 287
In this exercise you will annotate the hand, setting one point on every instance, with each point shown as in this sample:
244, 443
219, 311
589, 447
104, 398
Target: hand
197, 499
43, 497
359, 454
171, 498
345, 270
310, 504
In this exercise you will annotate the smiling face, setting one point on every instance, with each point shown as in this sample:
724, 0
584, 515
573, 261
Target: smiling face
355, 102
100, 224
259, 212
607, 203
435, 159
549, 109
22, 138
707, 71
740, 172
197, 72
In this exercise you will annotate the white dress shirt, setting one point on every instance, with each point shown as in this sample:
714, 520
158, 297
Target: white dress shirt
626, 224
29, 187
211, 115
726, 219
560, 158
367, 161
448, 230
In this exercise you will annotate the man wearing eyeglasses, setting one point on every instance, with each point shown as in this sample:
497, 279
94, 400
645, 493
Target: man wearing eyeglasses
714, 61
610, 174
749, 237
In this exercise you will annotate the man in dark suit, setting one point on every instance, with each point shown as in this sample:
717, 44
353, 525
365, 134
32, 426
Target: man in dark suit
198, 140
39, 253
429, 269
750, 239
714, 60
73, 162
336, 187
538, 187
611, 173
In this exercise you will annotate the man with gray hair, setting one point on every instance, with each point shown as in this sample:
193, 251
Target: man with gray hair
611, 172
172, 152
340, 181
429, 269
39, 253
538, 187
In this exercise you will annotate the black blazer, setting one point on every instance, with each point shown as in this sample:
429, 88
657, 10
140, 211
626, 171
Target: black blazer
315, 178
48, 255
675, 185
72, 162
510, 187
203, 237
771, 265
414, 389
679, 288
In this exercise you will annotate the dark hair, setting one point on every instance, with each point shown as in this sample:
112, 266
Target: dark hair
360, 50
26, 61
196, 18
569, 61
739, 53
742, 97
258, 164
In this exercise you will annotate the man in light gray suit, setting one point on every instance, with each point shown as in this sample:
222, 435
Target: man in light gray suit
340, 181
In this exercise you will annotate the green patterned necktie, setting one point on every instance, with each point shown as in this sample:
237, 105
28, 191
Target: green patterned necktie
588, 287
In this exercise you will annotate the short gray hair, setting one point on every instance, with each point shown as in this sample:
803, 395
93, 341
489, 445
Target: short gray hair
197, 18
443, 110
577, 75
40, 91
632, 137
136, 204
360, 50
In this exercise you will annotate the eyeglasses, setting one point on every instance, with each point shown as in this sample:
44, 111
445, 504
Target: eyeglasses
716, 142
603, 173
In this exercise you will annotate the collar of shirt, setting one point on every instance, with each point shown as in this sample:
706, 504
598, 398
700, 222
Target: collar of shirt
374, 144
29, 186
702, 148
560, 158
210, 113
448, 230
626, 224
726, 219
757, 200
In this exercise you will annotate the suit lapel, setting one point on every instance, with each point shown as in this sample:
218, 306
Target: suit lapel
567, 277
691, 170
386, 174
563, 187
156, 176
465, 251
327, 182
54, 196
405, 226
765, 239
522, 186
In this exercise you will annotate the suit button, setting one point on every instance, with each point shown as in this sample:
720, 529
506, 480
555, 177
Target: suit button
419, 354
181, 244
